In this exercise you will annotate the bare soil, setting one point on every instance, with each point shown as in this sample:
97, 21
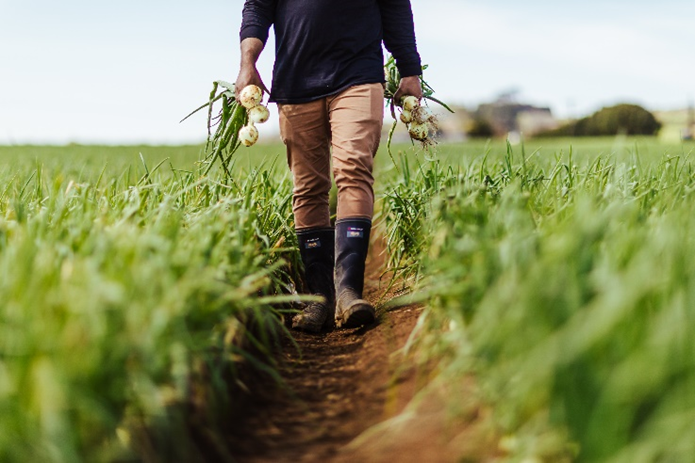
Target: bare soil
348, 393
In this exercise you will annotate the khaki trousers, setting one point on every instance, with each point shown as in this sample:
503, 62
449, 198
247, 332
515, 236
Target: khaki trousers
348, 126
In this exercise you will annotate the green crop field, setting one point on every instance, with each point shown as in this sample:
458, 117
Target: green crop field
131, 287
136, 294
563, 280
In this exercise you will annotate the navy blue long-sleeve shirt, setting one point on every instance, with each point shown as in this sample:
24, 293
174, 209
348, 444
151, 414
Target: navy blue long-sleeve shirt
325, 46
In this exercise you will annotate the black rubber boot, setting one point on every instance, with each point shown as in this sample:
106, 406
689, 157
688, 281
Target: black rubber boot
351, 246
316, 246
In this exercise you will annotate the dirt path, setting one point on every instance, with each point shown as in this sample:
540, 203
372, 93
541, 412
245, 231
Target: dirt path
344, 383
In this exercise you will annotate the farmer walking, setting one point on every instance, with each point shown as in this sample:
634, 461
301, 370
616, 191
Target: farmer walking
328, 85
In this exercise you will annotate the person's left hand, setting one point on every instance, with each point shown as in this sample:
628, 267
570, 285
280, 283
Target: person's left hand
409, 86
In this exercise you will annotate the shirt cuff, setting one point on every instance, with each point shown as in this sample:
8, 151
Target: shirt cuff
254, 31
410, 68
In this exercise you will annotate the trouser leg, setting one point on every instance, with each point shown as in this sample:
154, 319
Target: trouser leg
356, 119
306, 133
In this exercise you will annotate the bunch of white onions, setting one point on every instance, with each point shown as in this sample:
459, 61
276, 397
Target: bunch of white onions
250, 98
422, 125
418, 118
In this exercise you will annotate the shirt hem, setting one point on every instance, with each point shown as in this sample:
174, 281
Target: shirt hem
342, 88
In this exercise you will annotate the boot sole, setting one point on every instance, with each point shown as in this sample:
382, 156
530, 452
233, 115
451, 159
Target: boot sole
360, 313
306, 327
300, 325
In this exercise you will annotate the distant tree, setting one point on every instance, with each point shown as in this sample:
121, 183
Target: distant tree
628, 119
480, 128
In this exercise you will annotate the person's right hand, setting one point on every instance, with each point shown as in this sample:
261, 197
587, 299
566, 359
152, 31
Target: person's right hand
248, 75
408, 86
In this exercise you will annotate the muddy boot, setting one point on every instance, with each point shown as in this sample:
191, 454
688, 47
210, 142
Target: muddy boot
316, 246
351, 246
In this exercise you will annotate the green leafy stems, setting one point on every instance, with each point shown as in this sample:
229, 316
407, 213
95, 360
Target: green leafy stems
224, 142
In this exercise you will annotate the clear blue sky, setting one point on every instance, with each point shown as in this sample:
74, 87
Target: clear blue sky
127, 71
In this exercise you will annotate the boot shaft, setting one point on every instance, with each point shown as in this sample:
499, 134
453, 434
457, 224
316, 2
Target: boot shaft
316, 248
351, 247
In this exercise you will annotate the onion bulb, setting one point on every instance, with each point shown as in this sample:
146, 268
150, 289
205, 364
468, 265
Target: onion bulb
248, 135
409, 103
250, 96
418, 131
258, 114
406, 117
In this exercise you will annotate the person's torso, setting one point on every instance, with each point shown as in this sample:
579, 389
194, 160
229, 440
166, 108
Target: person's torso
323, 46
